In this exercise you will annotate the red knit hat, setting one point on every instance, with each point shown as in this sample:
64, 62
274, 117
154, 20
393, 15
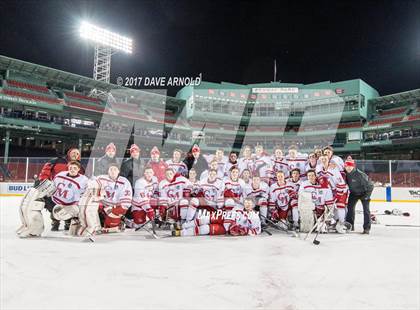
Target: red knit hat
110, 146
349, 162
134, 147
155, 150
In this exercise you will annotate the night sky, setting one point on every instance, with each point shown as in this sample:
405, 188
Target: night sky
233, 41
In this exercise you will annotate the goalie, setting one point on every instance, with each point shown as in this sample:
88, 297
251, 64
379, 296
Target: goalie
322, 199
66, 190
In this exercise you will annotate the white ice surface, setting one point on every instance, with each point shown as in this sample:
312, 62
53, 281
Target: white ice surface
353, 271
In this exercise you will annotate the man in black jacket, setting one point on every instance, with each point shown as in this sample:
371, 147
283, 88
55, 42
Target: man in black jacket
196, 161
105, 161
133, 168
360, 189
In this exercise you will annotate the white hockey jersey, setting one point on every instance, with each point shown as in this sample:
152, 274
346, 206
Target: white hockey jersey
228, 166
144, 191
249, 221
282, 196
294, 185
298, 162
221, 164
279, 164
205, 175
234, 189
171, 192
321, 196
68, 189
260, 194
179, 167
308, 166
334, 178
262, 166
245, 163
212, 192
118, 192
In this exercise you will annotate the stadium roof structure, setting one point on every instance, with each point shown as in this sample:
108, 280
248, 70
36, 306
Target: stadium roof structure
409, 96
53, 76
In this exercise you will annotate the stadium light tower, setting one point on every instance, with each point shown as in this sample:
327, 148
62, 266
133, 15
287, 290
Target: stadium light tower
106, 43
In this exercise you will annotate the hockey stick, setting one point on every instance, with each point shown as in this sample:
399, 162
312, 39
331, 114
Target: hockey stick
401, 225
278, 227
387, 212
153, 222
319, 225
266, 231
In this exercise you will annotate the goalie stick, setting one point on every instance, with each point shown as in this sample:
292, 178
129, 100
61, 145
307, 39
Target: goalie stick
319, 224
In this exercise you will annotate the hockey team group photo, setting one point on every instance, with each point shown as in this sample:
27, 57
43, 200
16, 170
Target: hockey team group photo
209, 155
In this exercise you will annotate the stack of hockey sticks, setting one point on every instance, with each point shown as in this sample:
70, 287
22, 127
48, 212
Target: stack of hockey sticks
277, 226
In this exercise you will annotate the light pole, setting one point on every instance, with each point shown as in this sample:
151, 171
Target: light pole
106, 43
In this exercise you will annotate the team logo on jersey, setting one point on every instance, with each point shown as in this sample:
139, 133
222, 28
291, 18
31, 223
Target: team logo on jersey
63, 192
110, 192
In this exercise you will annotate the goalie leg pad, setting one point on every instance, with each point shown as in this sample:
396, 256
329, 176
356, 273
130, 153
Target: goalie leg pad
89, 217
30, 215
306, 207
35, 224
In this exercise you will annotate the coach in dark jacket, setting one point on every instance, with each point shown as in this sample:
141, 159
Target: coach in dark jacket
196, 161
105, 161
133, 168
360, 189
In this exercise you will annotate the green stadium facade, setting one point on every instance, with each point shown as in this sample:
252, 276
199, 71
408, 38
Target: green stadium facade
45, 110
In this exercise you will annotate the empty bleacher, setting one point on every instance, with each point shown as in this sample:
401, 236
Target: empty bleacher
388, 116
29, 88
350, 125
81, 101
30, 96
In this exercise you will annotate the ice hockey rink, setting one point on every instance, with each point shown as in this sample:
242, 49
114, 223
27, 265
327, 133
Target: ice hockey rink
133, 271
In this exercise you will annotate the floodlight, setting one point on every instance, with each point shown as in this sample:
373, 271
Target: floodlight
105, 37
106, 44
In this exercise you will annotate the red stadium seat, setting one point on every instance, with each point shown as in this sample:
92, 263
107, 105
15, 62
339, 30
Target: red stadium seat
385, 121
79, 105
29, 86
82, 97
393, 111
31, 96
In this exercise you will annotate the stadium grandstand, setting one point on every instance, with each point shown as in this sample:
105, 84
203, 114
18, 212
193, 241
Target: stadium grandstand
44, 111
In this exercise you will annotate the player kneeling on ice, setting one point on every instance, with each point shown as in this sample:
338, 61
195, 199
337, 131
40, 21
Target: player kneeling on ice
282, 199
234, 188
66, 189
144, 199
209, 196
259, 191
234, 221
116, 199
101, 206
174, 194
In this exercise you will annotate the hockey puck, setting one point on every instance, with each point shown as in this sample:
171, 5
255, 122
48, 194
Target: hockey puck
316, 242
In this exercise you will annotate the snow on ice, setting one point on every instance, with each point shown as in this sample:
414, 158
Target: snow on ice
133, 271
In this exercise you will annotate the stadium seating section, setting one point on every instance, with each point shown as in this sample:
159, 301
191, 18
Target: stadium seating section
31, 96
